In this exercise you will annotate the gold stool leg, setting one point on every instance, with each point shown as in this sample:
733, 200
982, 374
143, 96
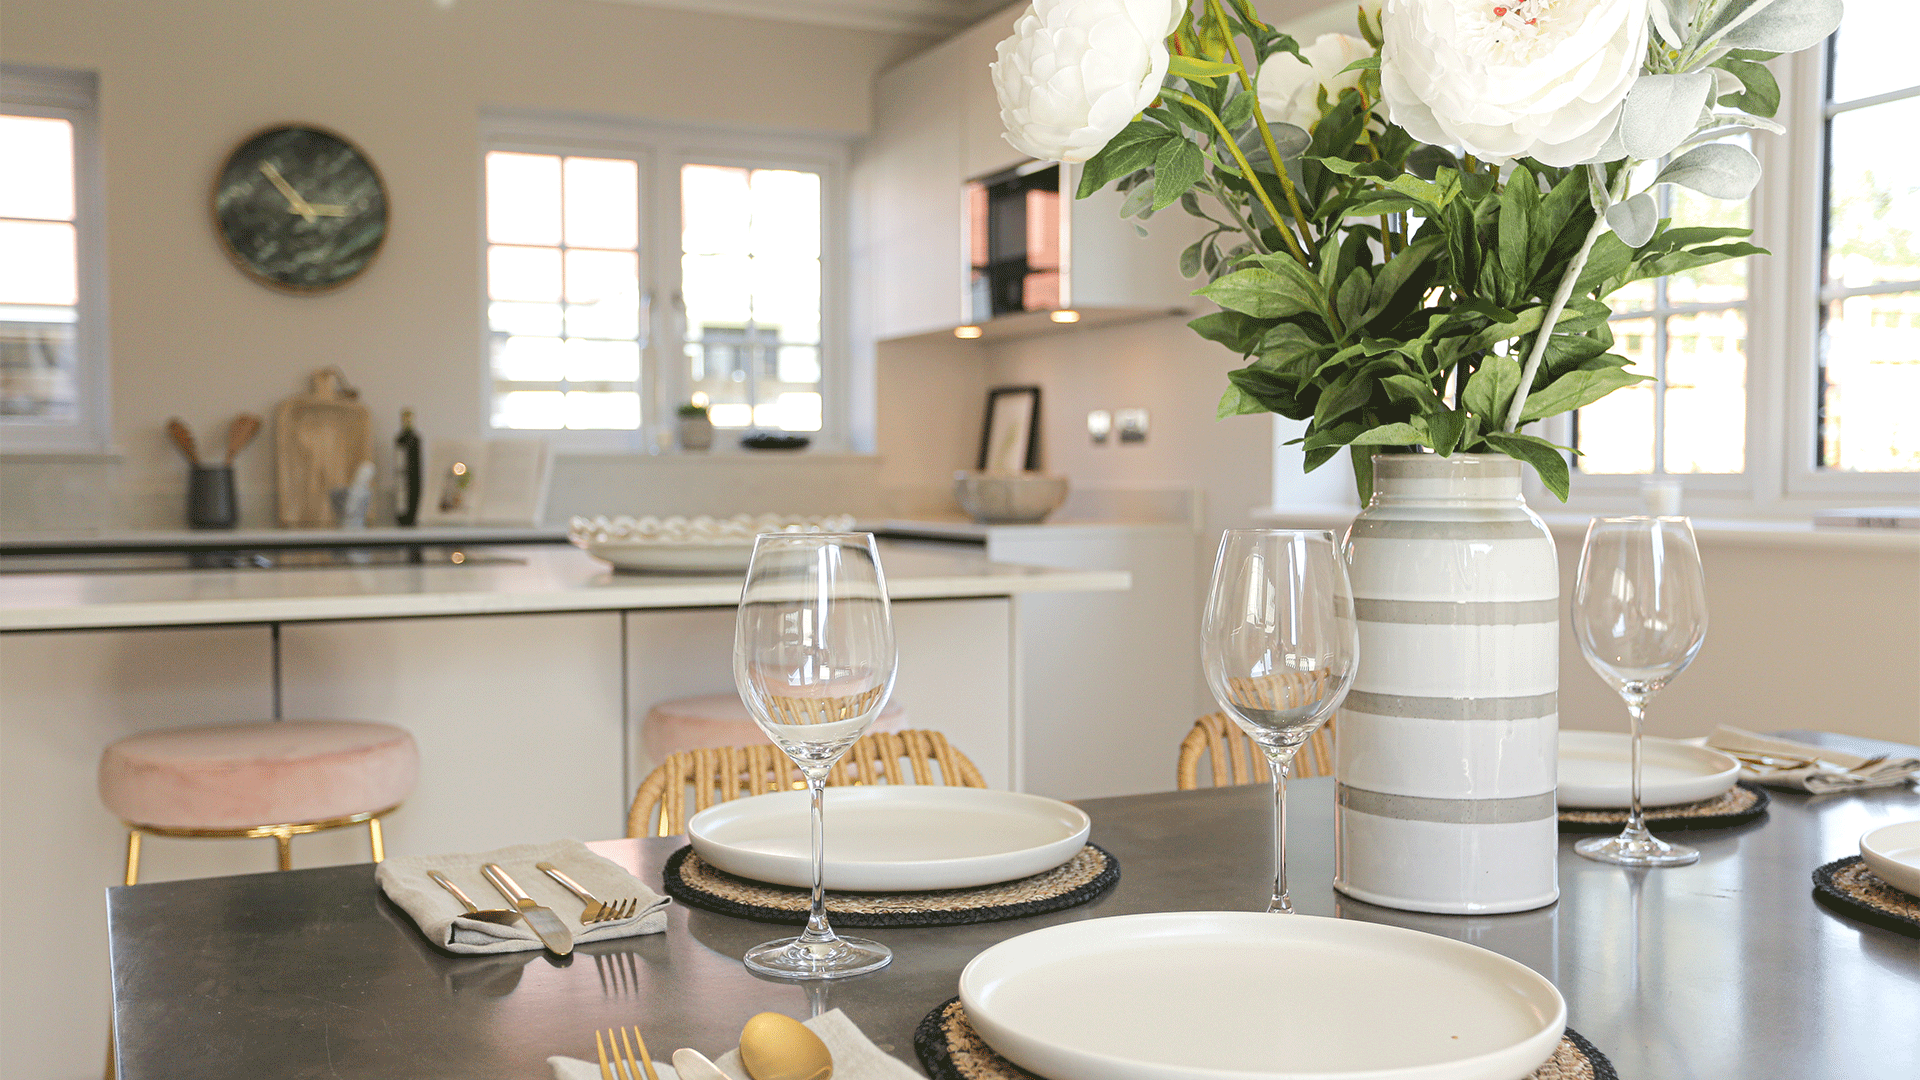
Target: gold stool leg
373, 837
133, 856
284, 840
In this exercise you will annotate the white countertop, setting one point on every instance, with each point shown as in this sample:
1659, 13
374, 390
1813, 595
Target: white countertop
552, 578
183, 539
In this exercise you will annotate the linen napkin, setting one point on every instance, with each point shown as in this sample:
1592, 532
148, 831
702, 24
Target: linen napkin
439, 916
854, 1056
1828, 773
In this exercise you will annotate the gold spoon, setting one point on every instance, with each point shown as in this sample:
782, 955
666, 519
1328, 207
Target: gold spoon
503, 916
776, 1047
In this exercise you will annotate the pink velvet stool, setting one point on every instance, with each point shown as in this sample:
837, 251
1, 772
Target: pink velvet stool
713, 720
271, 778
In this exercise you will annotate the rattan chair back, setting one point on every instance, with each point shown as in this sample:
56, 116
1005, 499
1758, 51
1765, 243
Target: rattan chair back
1233, 758
692, 780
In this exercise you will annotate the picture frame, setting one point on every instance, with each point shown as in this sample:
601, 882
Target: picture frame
1010, 435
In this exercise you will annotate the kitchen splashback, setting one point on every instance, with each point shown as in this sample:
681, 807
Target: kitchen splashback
718, 484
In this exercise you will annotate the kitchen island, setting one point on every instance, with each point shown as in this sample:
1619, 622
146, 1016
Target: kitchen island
523, 681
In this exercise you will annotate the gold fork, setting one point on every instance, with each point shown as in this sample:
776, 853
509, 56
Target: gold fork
624, 1065
597, 910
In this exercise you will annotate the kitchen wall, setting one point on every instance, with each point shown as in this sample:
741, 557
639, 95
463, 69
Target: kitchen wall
182, 82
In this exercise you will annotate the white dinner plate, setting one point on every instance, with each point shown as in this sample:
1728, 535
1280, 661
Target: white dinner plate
892, 837
1596, 770
1892, 852
1241, 995
673, 557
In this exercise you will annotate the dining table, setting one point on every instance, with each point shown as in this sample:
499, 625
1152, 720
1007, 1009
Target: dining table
1726, 969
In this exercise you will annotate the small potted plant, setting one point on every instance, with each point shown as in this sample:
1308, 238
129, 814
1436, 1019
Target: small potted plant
696, 429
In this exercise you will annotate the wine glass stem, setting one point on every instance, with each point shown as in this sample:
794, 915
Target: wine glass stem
817, 929
1637, 715
1281, 902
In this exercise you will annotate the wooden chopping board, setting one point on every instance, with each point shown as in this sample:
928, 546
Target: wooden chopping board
320, 438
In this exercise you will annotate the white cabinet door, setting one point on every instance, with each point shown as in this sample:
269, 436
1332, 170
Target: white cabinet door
985, 149
909, 172
517, 716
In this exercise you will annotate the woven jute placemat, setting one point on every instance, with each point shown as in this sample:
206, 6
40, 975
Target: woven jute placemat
950, 1049
1735, 806
692, 880
1847, 886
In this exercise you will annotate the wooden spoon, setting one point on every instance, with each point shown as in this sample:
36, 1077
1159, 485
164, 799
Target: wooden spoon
183, 438
240, 433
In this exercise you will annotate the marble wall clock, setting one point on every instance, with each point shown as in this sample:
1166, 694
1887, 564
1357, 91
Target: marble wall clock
300, 209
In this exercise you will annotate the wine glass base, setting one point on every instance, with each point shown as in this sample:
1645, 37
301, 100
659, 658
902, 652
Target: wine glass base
838, 958
1637, 851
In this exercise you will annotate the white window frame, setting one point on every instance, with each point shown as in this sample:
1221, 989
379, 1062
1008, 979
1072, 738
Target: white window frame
660, 150
72, 96
1782, 309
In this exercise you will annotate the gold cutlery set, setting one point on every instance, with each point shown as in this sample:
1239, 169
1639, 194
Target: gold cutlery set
772, 1047
538, 918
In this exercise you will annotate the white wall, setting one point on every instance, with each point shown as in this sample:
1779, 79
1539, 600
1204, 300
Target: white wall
181, 83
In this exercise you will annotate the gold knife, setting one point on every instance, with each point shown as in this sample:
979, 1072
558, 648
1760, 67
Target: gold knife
553, 933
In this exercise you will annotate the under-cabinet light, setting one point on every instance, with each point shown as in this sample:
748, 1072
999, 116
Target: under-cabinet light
1064, 316
966, 333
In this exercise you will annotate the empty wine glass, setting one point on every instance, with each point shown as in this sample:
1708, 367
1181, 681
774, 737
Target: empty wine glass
813, 657
1280, 645
1640, 614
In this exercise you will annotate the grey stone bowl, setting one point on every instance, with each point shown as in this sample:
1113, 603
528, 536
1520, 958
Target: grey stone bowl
1009, 498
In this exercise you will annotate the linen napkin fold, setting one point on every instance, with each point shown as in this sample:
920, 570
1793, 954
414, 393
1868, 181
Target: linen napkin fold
854, 1056
1828, 773
440, 917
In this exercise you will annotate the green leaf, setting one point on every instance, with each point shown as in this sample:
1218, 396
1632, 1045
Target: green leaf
1490, 390
1237, 402
1574, 389
1176, 168
1365, 63
1539, 453
1515, 225
1348, 392
1133, 148
1239, 111
1444, 429
1351, 301
1415, 391
1262, 293
1229, 328
1406, 434
1761, 92
1190, 259
1362, 472
1194, 67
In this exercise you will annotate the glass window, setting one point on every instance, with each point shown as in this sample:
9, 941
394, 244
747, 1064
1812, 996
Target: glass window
1689, 332
563, 291
42, 383
1869, 346
750, 279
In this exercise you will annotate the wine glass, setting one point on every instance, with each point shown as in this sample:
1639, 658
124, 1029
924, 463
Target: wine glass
1640, 613
1280, 645
813, 657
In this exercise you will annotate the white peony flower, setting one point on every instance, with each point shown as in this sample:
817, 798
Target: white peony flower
1077, 71
1289, 86
1506, 79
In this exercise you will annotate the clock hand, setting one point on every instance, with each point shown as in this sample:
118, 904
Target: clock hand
327, 209
295, 204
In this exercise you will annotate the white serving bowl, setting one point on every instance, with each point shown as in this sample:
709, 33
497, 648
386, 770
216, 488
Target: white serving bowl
1009, 498
1892, 852
688, 545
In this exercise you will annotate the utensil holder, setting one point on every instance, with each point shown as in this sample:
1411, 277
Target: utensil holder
211, 502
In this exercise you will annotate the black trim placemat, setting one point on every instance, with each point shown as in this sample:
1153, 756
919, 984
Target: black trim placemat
1847, 886
950, 1049
1735, 806
692, 880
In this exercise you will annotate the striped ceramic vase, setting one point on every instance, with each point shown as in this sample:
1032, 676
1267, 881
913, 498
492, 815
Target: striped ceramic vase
1445, 749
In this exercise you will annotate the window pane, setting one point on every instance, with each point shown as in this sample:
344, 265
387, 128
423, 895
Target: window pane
602, 203
37, 365
540, 409
1873, 53
715, 212
40, 263
1706, 392
506, 318
523, 198
528, 359
523, 273
1874, 196
36, 168
603, 294
1615, 434
1870, 350
785, 209
1720, 283
602, 361
729, 414
602, 410
1636, 296
786, 297
717, 289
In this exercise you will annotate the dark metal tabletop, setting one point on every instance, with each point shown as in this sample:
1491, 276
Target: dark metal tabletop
1726, 969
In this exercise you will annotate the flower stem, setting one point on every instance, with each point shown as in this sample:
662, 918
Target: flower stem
1564, 293
1266, 139
1259, 190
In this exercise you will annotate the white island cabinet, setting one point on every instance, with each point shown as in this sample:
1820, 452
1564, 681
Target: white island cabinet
523, 682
